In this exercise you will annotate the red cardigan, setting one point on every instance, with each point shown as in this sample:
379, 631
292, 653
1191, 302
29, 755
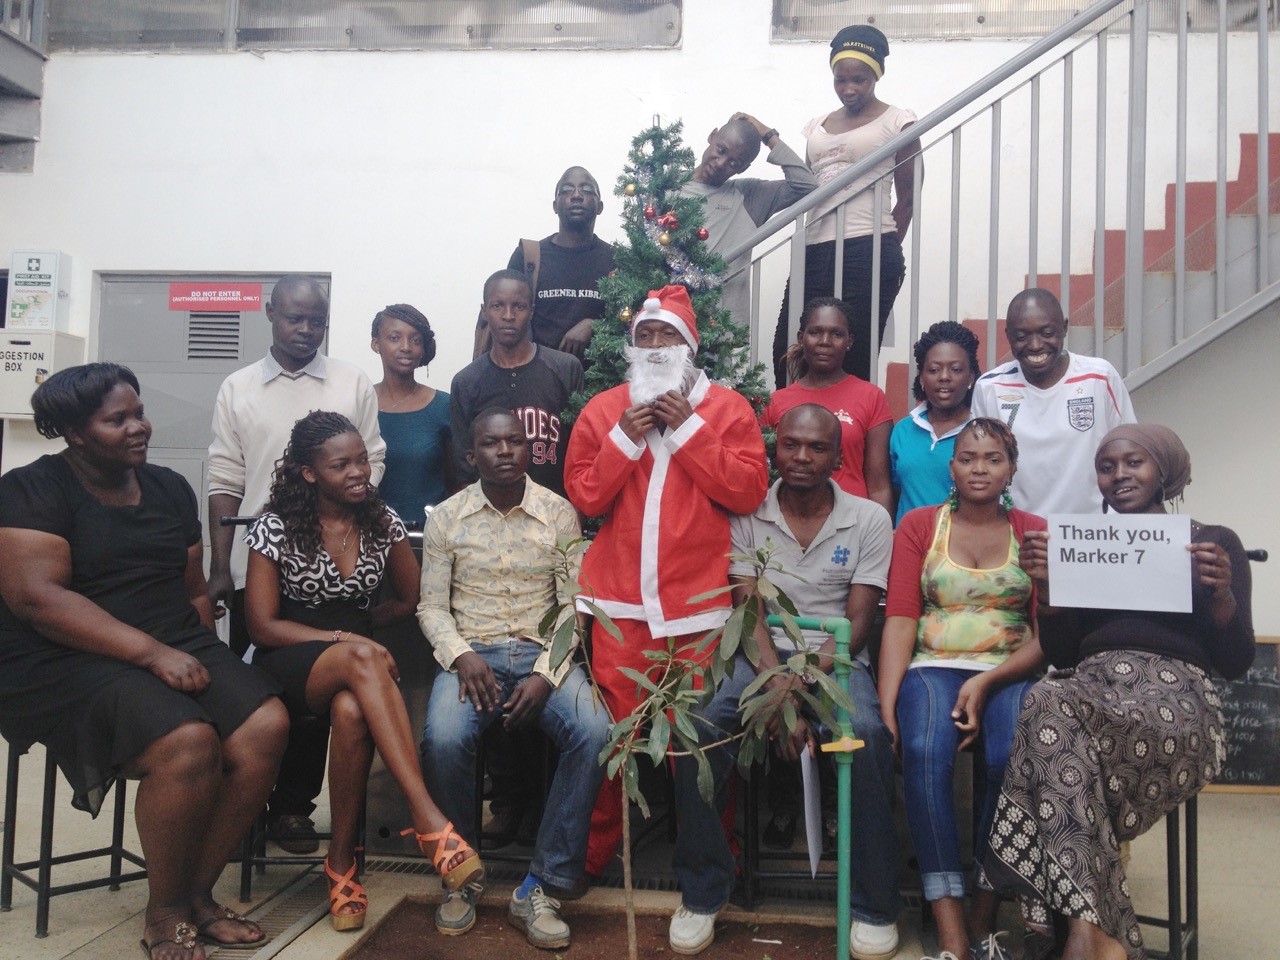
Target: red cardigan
911, 542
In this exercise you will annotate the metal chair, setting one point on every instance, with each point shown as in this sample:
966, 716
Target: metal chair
41, 880
1183, 927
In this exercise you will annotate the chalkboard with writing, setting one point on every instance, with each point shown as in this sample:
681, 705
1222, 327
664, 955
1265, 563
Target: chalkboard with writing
1251, 710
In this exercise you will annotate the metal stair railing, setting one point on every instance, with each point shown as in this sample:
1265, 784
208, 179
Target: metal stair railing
1014, 96
26, 20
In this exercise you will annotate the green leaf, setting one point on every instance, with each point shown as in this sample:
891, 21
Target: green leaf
732, 635
563, 642
684, 724
640, 679
659, 737
602, 618
789, 714
711, 594
831, 688
706, 787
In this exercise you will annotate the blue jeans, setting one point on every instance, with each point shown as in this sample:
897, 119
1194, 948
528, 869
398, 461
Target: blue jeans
571, 718
929, 739
703, 861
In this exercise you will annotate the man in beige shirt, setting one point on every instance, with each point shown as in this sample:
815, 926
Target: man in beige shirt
488, 556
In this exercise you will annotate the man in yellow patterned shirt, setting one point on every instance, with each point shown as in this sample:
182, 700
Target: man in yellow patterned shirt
487, 581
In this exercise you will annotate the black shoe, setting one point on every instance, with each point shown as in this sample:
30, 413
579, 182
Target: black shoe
780, 831
293, 833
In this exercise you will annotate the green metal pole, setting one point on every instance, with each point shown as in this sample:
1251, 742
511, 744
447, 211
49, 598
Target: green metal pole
842, 746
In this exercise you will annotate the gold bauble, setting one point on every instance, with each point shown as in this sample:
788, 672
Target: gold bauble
629, 189
664, 238
625, 315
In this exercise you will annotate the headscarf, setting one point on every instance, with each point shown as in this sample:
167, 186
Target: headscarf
1170, 456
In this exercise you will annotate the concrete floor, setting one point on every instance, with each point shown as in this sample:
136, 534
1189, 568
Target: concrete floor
1239, 875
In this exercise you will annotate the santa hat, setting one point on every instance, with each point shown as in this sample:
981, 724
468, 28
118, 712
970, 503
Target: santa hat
670, 305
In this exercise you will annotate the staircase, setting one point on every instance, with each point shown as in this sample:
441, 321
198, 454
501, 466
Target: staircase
1239, 259
22, 57
1041, 168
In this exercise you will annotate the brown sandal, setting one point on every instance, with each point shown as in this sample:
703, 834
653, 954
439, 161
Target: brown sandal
449, 845
344, 890
184, 936
221, 913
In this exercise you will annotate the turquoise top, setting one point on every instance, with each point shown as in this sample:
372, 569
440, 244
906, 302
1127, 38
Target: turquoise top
416, 458
920, 462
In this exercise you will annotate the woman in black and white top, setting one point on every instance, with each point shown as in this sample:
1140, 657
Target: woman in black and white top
317, 557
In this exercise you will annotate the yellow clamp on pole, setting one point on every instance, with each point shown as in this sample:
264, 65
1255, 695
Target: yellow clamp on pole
844, 744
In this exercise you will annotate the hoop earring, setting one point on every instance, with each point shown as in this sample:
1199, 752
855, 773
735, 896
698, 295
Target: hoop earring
1006, 498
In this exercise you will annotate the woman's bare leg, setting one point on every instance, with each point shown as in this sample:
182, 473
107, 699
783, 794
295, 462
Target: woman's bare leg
1087, 941
350, 757
982, 914
359, 669
250, 759
948, 914
179, 777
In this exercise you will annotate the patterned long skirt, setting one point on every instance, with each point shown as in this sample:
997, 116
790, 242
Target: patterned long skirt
1100, 754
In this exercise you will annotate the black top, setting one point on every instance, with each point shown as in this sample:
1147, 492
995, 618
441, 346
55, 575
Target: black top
536, 392
1073, 635
567, 286
130, 560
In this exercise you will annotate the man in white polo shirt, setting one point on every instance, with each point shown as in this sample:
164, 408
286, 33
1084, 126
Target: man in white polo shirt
1059, 405
256, 409
834, 550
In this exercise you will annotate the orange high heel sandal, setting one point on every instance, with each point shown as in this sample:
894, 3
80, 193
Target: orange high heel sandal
344, 890
448, 845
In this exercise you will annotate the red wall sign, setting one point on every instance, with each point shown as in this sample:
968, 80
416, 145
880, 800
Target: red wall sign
215, 296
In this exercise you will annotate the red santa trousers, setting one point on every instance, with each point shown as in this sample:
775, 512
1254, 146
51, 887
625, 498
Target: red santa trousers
621, 697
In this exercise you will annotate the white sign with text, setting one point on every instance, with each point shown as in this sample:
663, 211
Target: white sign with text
1120, 561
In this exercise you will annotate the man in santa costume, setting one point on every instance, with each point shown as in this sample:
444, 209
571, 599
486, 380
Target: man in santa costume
666, 459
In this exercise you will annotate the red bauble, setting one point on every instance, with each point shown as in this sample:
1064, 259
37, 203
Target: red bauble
702, 233
649, 212
668, 221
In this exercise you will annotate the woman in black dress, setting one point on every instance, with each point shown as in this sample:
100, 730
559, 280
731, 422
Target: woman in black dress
1127, 728
107, 656
317, 557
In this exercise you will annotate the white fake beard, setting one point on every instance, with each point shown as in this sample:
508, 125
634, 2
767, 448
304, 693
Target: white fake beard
652, 371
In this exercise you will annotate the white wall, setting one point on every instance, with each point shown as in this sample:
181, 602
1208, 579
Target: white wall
409, 176
1220, 402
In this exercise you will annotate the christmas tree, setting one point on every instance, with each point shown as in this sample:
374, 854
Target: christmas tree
666, 243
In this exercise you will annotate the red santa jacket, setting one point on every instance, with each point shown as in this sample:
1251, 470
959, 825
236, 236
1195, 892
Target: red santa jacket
666, 504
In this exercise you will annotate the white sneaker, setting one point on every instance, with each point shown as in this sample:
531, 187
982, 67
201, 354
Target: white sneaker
873, 941
690, 932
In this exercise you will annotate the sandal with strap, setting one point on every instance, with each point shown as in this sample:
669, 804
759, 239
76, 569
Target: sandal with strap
447, 846
344, 890
220, 914
184, 936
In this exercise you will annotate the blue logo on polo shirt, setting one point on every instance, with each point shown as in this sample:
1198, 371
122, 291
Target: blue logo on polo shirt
841, 556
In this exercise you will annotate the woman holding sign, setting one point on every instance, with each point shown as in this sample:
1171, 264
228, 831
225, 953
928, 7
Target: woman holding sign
1129, 726
959, 646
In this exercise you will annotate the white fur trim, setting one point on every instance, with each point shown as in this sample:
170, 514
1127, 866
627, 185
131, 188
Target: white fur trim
623, 443
653, 310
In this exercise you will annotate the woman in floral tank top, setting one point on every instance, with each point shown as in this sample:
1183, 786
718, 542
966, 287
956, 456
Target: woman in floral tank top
957, 658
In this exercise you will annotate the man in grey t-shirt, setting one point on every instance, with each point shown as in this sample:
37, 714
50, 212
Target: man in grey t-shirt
834, 551
734, 206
